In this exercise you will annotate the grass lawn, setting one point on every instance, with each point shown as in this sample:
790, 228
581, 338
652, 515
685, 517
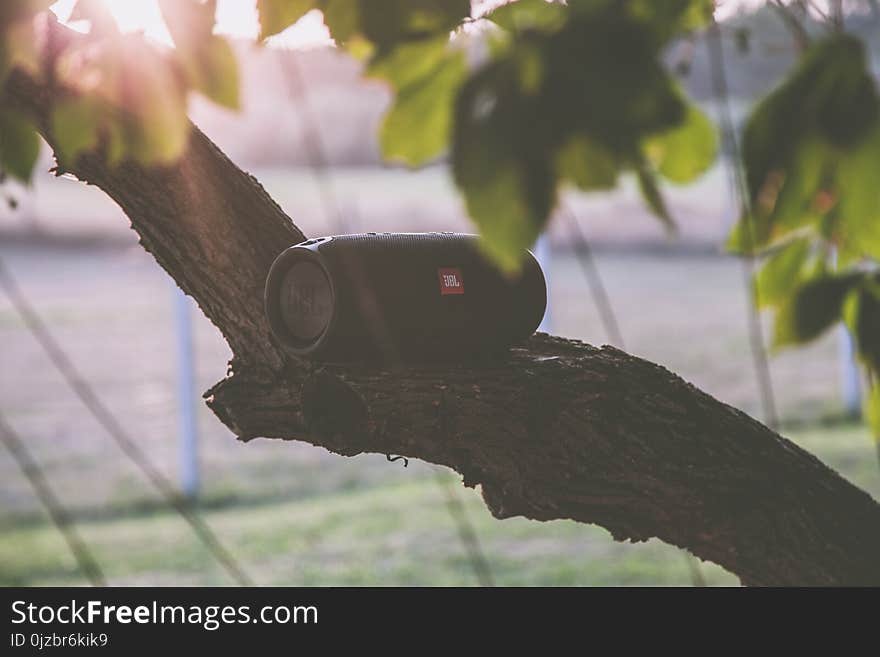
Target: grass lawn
380, 532
295, 514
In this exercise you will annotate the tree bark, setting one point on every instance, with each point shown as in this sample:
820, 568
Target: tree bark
556, 429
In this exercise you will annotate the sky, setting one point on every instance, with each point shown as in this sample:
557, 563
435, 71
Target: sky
238, 18
234, 18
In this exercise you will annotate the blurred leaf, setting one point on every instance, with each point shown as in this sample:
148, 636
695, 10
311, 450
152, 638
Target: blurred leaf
808, 154
830, 96
791, 203
207, 60
872, 410
277, 15
858, 209
409, 62
153, 122
75, 124
651, 193
530, 64
602, 77
116, 146
97, 14
683, 153
158, 135
390, 22
528, 14
213, 70
19, 145
815, 306
696, 14
865, 325
577, 103
781, 273
12, 11
500, 165
342, 18
139, 95
18, 43
586, 164
745, 235
671, 17
417, 128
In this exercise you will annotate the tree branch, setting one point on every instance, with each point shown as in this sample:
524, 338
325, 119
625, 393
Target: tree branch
557, 429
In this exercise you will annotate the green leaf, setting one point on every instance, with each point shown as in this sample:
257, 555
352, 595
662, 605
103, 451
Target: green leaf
789, 201
811, 153
576, 103
409, 63
830, 96
672, 17
19, 145
858, 210
815, 307
792, 205
418, 125
390, 22
116, 146
696, 14
748, 236
213, 70
793, 211
277, 15
75, 124
683, 153
872, 410
781, 274
651, 194
500, 165
528, 14
153, 121
19, 46
207, 60
865, 325
587, 164
509, 220
343, 19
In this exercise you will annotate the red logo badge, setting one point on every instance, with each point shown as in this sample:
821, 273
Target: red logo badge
451, 281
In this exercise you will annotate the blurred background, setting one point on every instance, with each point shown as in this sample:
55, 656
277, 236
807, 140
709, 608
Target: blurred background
293, 514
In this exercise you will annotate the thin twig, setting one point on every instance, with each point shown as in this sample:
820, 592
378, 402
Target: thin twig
57, 513
466, 531
594, 280
737, 181
798, 31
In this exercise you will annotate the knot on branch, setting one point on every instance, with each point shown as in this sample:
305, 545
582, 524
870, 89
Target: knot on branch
334, 412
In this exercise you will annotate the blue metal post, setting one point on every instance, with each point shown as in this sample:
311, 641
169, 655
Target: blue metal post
850, 377
542, 254
186, 403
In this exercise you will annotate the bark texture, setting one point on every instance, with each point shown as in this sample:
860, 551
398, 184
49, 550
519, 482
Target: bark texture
556, 429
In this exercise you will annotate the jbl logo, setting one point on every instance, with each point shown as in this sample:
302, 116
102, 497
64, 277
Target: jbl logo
451, 281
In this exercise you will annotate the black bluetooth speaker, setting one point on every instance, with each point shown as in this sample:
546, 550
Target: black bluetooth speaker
400, 297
